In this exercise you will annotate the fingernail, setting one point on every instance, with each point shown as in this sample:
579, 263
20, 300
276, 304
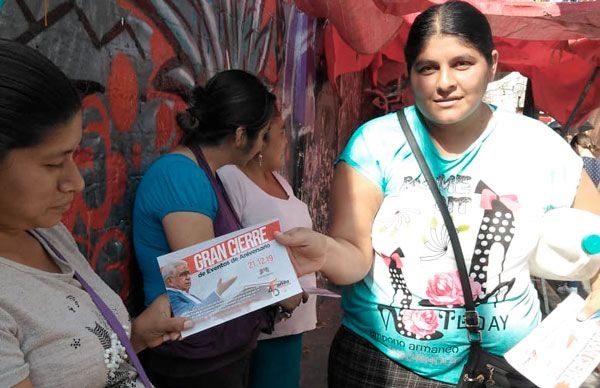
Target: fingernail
166, 338
581, 317
188, 325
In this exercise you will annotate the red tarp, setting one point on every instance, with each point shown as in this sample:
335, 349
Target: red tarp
556, 45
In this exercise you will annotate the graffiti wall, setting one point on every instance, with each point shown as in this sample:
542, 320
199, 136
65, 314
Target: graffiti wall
135, 61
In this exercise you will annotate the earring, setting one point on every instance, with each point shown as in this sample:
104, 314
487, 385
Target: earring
260, 158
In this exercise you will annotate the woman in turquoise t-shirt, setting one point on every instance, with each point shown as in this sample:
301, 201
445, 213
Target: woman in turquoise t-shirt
403, 321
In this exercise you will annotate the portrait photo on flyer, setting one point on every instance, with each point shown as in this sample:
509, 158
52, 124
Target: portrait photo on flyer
221, 279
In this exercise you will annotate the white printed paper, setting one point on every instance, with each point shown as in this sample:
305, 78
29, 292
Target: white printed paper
321, 292
229, 276
561, 352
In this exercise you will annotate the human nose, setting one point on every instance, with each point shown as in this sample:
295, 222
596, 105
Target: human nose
71, 179
446, 83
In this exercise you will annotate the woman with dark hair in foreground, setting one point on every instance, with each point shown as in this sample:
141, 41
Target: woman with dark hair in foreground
60, 324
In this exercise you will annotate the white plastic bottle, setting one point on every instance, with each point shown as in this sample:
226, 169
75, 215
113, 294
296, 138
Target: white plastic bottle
569, 245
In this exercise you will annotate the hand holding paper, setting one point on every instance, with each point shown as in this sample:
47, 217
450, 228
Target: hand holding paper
291, 303
155, 325
307, 249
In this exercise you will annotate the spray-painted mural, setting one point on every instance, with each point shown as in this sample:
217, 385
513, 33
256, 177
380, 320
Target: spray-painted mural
135, 60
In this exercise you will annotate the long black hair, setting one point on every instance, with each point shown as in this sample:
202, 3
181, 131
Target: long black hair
230, 99
35, 97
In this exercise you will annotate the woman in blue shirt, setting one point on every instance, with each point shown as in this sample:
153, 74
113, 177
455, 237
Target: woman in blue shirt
180, 202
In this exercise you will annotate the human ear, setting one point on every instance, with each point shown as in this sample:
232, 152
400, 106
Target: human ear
494, 65
241, 138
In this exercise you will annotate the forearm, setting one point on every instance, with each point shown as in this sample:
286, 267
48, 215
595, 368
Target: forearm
355, 201
345, 263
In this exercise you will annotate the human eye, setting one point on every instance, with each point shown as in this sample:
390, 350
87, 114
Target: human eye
58, 163
55, 165
463, 64
426, 69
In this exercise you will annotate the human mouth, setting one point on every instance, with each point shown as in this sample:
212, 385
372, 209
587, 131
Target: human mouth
447, 102
64, 207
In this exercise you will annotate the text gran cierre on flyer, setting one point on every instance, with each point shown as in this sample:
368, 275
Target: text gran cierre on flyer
232, 275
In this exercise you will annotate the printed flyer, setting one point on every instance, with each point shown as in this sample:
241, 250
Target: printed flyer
229, 276
562, 351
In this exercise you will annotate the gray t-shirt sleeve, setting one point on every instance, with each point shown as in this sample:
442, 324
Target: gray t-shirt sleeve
13, 366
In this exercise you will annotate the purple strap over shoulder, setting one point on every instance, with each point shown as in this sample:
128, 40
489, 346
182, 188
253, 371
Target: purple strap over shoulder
226, 220
219, 348
109, 316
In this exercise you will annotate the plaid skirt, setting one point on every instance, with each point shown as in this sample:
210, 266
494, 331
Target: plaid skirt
355, 363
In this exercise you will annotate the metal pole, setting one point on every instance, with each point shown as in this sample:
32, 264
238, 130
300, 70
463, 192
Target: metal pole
529, 104
582, 97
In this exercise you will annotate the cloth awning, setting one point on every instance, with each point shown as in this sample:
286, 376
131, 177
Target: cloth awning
556, 45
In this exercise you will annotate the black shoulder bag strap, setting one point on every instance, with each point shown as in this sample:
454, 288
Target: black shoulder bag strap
471, 315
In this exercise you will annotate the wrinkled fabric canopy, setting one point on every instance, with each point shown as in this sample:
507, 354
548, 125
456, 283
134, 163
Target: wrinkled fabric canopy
556, 45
